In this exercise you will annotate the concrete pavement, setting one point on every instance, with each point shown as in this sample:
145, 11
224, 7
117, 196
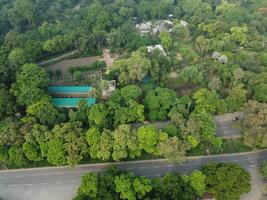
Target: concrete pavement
225, 126
62, 183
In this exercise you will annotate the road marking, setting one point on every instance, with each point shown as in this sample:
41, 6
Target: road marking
14, 186
28, 184
141, 167
44, 183
72, 181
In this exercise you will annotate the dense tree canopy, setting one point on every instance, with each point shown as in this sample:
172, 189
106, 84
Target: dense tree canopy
30, 84
253, 126
226, 180
214, 62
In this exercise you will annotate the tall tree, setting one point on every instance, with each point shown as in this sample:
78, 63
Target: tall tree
30, 84
158, 103
226, 180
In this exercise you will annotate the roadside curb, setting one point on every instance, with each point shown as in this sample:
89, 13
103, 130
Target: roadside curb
128, 162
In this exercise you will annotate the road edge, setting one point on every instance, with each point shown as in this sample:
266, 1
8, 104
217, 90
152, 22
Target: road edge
129, 162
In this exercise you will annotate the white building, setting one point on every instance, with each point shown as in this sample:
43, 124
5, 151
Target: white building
154, 47
154, 27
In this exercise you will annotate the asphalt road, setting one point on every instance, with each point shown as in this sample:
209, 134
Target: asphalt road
62, 183
225, 125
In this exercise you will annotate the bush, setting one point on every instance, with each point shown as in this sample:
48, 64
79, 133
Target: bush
93, 67
77, 75
264, 169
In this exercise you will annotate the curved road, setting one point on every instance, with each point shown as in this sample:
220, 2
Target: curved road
61, 183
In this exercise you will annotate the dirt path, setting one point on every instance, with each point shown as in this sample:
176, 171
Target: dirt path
108, 57
47, 62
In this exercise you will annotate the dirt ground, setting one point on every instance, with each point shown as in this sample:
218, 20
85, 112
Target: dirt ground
64, 65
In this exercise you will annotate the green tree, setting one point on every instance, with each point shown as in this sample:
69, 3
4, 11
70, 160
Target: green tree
192, 73
165, 39
68, 144
197, 181
92, 138
263, 169
125, 143
260, 93
16, 156
158, 103
17, 57
209, 101
133, 92
132, 112
174, 187
203, 45
236, 99
80, 114
37, 141
172, 149
56, 154
105, 145
23, 10
89, 185
227, 181
124, 186
147, 138
43, 112
98, 114
238, 34
253, 125
201, 127
133, 69
215, 84
31, 152
142, 186
7, 106
30, 84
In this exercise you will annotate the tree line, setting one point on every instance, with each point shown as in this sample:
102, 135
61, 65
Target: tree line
223, 180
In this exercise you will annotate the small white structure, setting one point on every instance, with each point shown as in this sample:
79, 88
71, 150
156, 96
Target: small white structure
144, 28
216, 55
154, 47
154, 27
170, 16
184, 23
107, 87
219, 57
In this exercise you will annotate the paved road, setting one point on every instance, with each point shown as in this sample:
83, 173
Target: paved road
62, 183
225, 126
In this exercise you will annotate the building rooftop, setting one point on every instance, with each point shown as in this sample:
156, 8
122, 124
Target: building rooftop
69, 89
154, 47
72, 102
